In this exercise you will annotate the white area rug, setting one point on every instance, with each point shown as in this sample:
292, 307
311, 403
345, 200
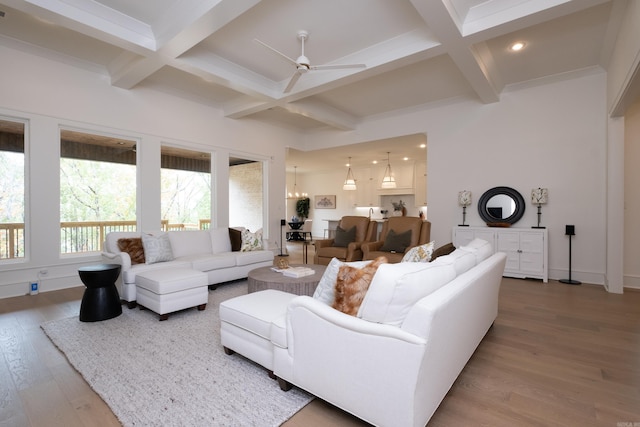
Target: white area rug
173, 373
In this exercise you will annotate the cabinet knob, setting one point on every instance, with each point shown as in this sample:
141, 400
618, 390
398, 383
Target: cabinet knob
519, 251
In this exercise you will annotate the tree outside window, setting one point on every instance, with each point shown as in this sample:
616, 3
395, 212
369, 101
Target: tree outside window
12, 189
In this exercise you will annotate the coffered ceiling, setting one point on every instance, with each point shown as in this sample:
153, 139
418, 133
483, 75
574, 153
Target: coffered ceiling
416, 52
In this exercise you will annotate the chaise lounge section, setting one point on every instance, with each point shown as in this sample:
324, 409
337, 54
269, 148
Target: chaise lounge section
393, 362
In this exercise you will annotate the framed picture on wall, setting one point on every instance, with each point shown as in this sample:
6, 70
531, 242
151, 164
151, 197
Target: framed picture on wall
325, 202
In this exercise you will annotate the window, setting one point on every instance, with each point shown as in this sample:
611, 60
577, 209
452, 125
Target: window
12, 189
185, 189
97, 189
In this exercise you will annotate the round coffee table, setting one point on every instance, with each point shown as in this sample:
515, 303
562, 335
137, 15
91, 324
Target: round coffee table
101, 300
263, 278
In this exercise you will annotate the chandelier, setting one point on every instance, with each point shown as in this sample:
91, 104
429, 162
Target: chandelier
295, 185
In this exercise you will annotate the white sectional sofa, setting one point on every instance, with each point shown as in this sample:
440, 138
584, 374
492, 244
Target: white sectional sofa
392, 363
208, 251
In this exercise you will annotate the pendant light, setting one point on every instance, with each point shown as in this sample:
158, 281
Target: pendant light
350, 182
388, 181
295, 185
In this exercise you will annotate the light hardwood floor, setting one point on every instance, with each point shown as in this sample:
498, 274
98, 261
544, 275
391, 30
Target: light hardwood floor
557, 355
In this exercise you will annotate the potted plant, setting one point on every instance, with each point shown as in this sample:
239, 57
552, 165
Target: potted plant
302, 208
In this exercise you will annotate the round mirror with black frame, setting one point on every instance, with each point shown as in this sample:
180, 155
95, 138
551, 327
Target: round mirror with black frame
501, 206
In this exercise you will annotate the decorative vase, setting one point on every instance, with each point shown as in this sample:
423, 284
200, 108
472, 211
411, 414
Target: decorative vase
283, 263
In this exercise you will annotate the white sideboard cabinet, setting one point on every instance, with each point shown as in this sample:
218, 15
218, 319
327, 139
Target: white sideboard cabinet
526, 248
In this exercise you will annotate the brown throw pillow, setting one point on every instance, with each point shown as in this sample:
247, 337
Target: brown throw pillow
396, 242
343, 238
236, 239
352, 284
133, 246
442, 250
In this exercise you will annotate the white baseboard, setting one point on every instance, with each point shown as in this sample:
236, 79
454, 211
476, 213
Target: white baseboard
49, 284
631, 282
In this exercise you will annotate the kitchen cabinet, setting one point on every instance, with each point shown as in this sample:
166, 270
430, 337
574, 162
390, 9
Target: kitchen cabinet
365, 194
526, 249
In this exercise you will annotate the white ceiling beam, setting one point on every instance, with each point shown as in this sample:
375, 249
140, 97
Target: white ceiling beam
474, 64
226, 73
210, 19
51, 12
102, 18
323, 113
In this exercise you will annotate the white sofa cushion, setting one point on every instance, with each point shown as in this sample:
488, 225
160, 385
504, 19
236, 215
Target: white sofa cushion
171, 280
325, 291
252, 257
395, 288
220, 241
211, 261
460, 259
480, 248
192, 242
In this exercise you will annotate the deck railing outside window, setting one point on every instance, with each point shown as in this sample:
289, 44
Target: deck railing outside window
78, 237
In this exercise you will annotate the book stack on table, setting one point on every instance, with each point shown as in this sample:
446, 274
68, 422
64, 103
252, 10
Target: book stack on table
298, 271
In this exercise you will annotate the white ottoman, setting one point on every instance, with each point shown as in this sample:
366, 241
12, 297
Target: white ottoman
250, 323
169, 290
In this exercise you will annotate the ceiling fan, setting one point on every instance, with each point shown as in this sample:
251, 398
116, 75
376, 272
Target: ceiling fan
302, 64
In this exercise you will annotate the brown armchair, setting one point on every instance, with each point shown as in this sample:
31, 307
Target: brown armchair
420, 234
365, 232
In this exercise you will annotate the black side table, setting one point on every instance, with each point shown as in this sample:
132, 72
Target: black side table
101, 300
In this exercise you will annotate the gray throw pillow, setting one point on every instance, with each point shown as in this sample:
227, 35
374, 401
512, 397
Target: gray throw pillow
343, 238
156, 248
396, 243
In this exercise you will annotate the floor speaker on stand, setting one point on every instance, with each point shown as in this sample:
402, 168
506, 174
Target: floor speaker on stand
283, 222
570, 230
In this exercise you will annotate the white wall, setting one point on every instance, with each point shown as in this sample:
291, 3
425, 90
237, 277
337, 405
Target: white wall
546, 135
632, 196
49, 94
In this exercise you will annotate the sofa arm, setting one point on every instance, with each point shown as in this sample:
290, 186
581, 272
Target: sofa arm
323, 243
366, 368
371, 247
121, 258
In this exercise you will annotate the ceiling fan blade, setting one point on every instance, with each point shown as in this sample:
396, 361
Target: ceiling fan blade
292, 82
336, 66
277, 52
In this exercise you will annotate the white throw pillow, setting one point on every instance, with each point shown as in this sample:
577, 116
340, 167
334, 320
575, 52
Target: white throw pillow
156, 248
421, 253
325, 291
396, 288
251, 241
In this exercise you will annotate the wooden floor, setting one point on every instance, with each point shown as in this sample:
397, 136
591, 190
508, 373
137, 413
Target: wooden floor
558, 355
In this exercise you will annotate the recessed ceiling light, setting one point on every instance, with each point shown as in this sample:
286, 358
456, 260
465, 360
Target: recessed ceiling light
423, 145
517, 46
